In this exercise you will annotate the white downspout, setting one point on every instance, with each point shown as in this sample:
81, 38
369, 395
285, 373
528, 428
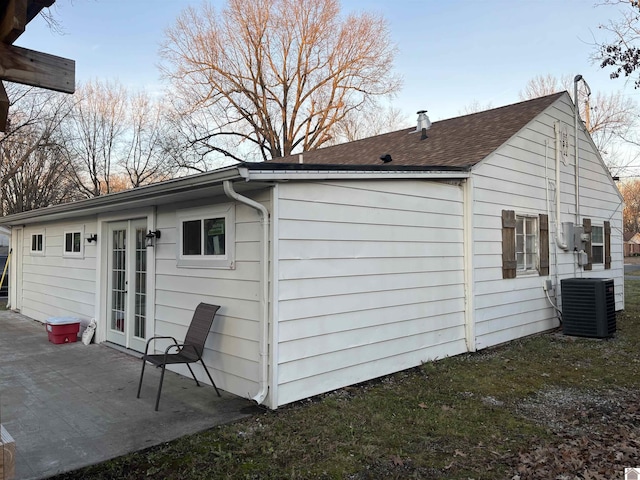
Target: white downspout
264, 293
469, 311
560, 240
576, 114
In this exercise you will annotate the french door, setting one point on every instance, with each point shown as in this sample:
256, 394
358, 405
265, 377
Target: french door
127, 284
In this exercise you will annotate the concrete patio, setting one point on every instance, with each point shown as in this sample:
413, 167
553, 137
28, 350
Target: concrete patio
68, 406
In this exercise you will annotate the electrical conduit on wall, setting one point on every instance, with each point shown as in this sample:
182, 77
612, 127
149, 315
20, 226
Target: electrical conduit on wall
560, 240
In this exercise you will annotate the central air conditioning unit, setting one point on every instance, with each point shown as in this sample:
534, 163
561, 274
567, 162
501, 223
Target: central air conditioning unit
588, 307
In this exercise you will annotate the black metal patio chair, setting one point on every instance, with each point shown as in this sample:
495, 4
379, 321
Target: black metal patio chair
188, 352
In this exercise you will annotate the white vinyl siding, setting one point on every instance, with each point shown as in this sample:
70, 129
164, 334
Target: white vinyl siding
54, 285
371, 281
231, 351
513, 177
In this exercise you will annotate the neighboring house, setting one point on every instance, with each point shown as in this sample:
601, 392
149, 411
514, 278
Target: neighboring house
334, 267
631, 244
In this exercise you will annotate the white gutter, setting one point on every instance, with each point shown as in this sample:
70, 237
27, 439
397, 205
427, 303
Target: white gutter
264, 293
257, 175
560, 240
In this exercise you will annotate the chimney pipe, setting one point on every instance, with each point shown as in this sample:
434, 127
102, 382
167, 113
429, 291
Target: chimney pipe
423, 121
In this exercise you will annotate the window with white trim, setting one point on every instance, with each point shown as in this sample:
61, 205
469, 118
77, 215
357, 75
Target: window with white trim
597, 245
206, 237
72, 244
37, 244
526, 243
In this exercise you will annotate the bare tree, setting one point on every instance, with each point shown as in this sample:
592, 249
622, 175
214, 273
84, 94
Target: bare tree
93, 132
621, 50
112, 133
611, 118
475, 107
274, 76
144, 158
373, 119
33, 169
630, 191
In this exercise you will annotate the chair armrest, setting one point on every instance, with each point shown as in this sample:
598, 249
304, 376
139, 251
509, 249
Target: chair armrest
158, 337
180, 347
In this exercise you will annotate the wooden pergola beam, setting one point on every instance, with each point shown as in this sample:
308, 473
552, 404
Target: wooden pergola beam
13, 20
25, 66
37, 69
15, 16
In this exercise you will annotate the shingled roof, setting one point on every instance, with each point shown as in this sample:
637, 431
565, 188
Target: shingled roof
456, 142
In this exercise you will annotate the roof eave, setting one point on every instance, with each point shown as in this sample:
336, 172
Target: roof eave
129, 199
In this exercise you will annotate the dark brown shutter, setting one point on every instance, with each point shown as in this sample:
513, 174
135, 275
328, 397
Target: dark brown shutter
586, 228
509, 264
607, 245
543, 227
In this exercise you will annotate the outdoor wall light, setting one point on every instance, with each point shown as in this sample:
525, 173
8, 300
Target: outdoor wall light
151, 236
92, 237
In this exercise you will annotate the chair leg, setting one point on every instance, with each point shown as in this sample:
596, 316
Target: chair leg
144, 362
193, 374
160, 387
209, 375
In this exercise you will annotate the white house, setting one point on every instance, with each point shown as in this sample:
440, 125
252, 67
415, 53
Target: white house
335, 267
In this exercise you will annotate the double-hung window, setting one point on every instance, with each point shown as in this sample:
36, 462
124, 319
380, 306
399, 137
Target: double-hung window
597, 244
72, 246
206, 237
37, 244
526, 243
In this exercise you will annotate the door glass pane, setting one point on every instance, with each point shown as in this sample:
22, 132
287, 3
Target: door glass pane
118, 286
141, 283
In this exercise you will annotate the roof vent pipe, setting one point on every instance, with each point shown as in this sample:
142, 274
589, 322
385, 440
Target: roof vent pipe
423, 121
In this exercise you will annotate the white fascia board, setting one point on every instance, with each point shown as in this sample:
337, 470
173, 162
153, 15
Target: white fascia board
270, 175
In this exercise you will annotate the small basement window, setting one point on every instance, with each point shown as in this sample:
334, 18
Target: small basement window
37, 244
526, 243
597, 244
206, 237
72, 244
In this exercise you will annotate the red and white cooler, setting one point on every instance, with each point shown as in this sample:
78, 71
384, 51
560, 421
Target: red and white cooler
63, 329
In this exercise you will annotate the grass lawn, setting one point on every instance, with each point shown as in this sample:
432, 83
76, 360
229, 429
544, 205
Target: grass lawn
543, 407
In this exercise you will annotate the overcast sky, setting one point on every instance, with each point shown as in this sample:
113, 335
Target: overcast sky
451, 53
